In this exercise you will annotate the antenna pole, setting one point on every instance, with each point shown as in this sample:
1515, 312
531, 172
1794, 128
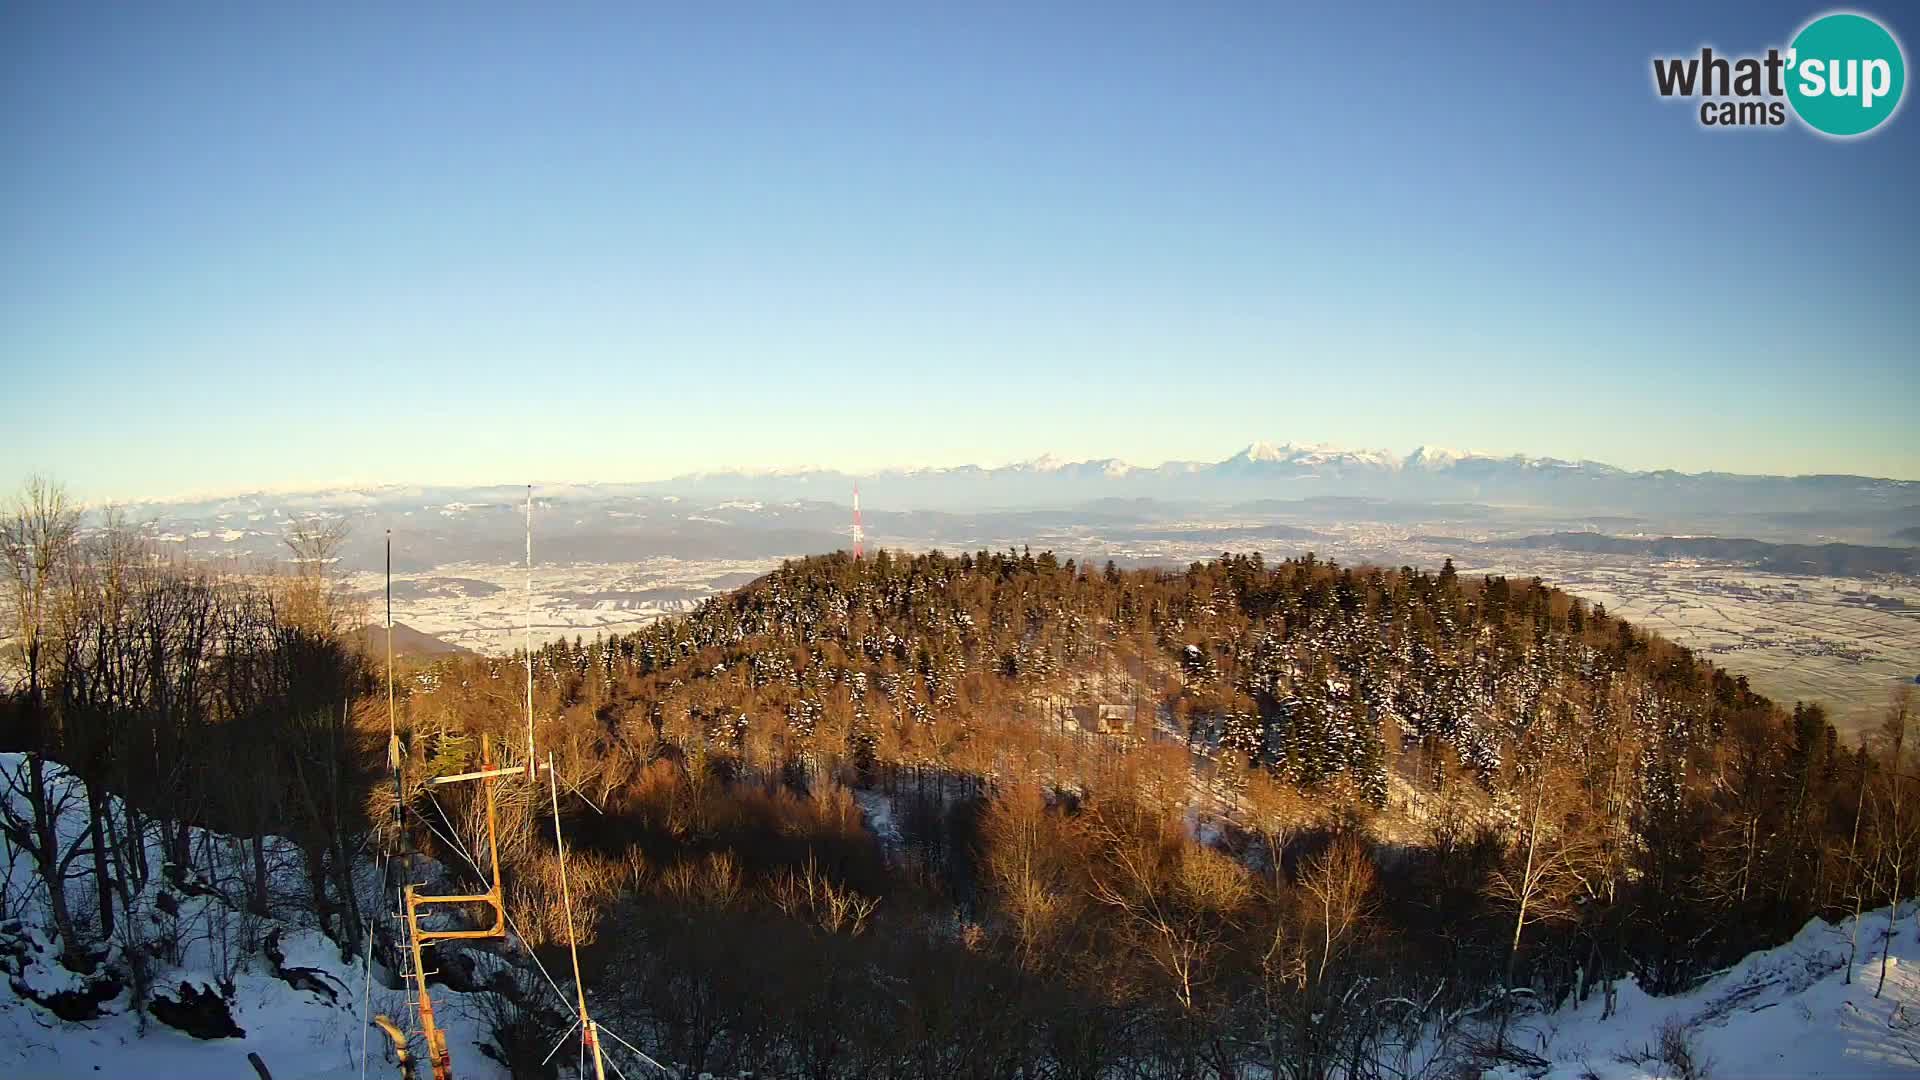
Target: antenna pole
529, 639
394, 758
588, 1029
393, 736
399, 833
437, 1057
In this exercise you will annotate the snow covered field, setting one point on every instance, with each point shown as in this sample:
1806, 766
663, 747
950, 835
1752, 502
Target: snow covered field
1795, 638
483, 606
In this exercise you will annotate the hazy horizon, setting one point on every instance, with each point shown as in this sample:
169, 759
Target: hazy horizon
1043, 460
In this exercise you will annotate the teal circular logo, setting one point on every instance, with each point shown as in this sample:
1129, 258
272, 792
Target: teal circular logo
1845, 74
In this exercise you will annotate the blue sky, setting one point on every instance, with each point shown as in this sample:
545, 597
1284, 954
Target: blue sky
289, 245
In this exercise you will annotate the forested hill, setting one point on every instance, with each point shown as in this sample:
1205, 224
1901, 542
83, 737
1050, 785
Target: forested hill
1569, 798
1310, 669
985, 815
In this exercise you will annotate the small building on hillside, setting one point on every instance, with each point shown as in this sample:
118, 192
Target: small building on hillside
1102, 719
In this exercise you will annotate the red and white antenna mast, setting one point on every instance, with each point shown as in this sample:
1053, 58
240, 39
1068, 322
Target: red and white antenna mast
859, 530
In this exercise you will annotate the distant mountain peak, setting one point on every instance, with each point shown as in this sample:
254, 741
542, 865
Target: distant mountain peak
1310, 455
1437, 457
1265, 452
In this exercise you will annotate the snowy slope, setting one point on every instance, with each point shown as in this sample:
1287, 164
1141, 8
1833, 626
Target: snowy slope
300, 1035
210, 946
1782, 1012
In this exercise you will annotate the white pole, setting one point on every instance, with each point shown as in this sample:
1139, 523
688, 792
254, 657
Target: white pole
529, 643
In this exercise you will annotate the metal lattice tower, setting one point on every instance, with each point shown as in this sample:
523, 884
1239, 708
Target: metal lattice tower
859, 530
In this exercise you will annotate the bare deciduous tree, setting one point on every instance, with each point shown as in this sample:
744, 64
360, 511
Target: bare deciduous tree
1896, 824
1022, 842
1178, 899
37, 538
1338, 885
1277, 811
1547, 852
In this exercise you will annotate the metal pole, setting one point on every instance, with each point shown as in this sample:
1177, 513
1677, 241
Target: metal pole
529, 638
493, 835
588, 1030
393, 737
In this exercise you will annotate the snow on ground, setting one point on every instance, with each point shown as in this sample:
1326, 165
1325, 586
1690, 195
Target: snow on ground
1789, 1011
877, 808
301, 1034
1781, 1012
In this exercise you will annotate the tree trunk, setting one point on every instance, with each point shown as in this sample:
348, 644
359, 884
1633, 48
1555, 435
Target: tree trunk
1526, 885
323, 908
257, 895
1886, 944
1860, 884
183, 843
136, 869
96, 814
351, 928
47, 860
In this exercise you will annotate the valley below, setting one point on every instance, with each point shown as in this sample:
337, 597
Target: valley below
1809, 587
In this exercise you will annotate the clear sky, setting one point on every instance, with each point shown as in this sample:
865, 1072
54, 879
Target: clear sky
286, 245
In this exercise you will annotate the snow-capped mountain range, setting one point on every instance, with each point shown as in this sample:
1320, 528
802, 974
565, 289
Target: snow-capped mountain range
1261, 472
1295, 470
